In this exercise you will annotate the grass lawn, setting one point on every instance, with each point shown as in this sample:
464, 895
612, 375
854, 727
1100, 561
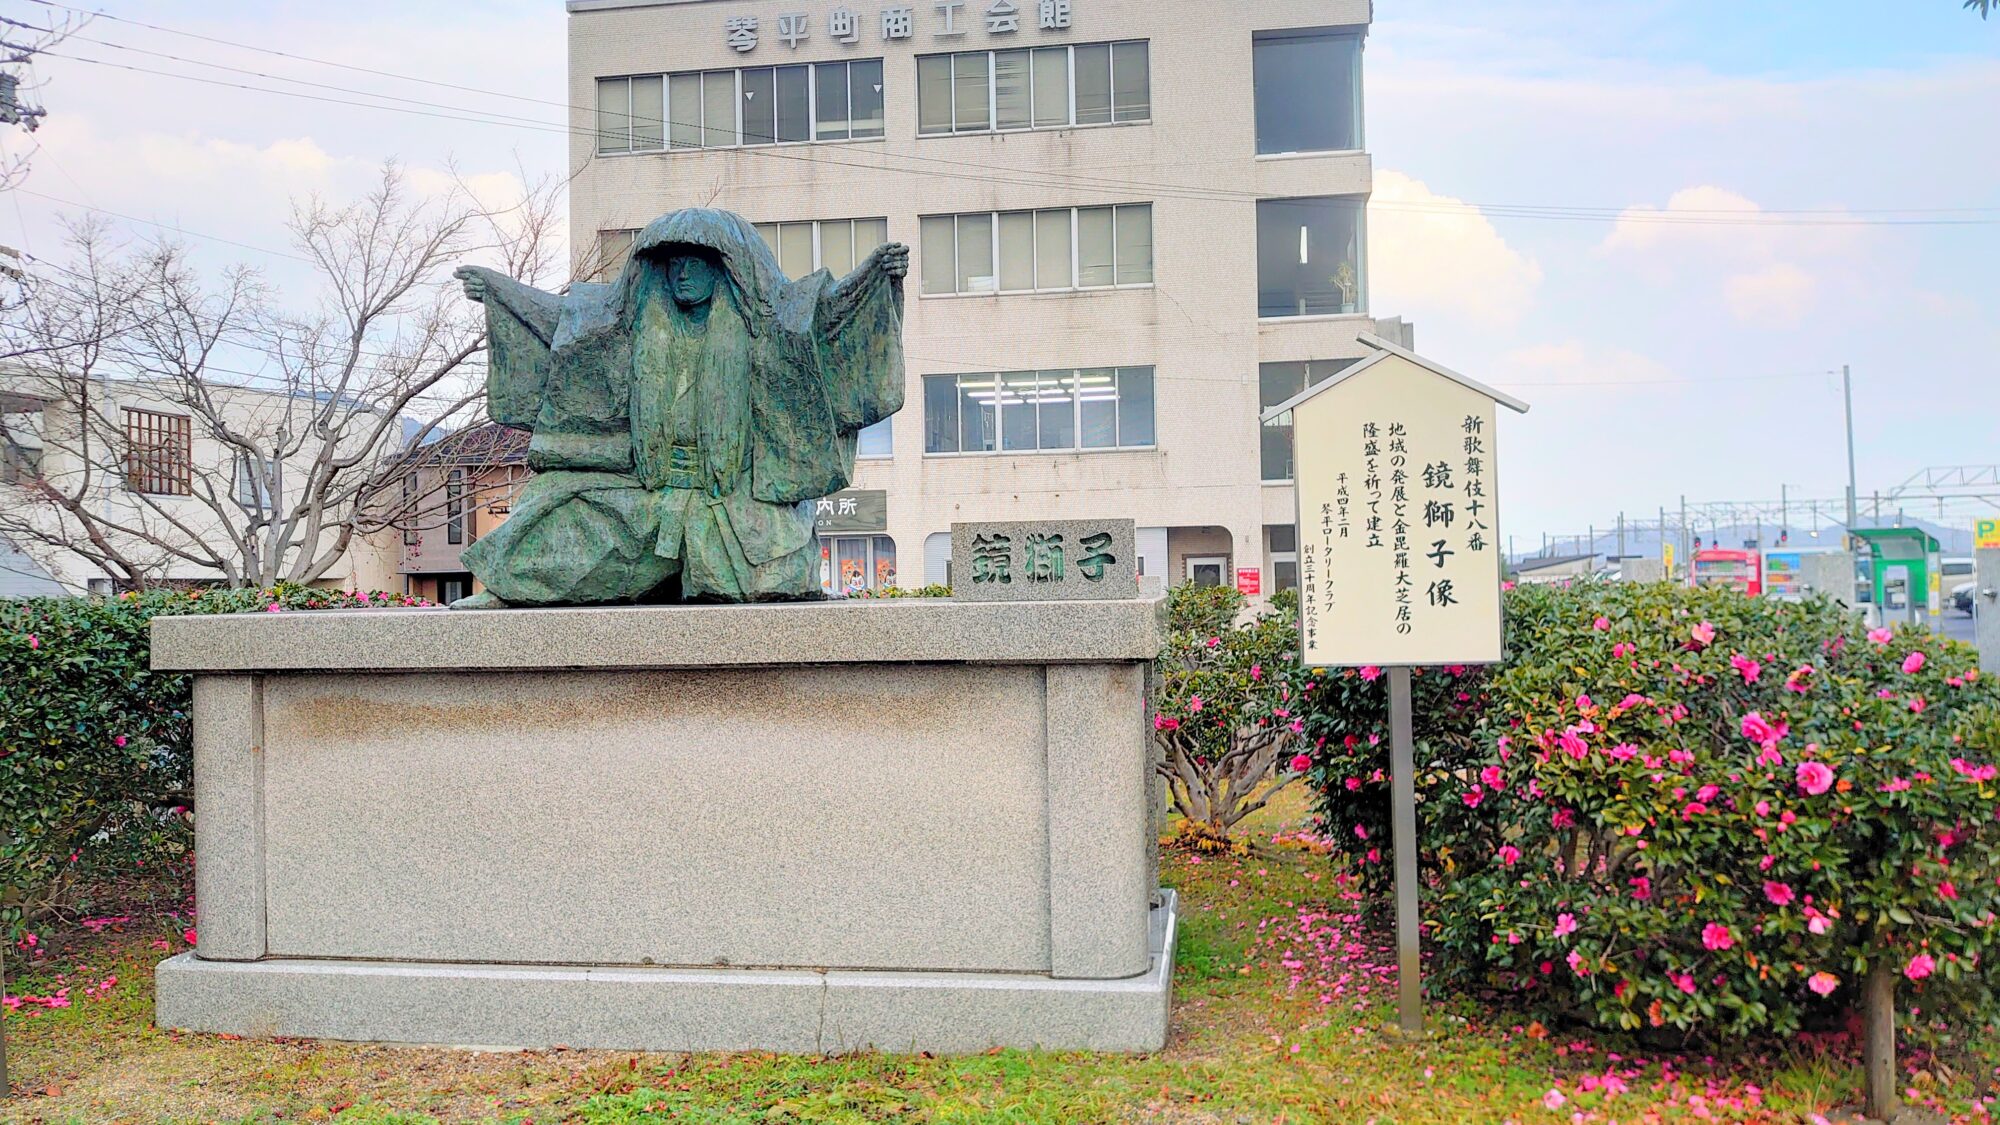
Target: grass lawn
1283, 987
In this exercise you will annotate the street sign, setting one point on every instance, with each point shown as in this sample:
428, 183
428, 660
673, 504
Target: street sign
1399, 561
1986, 535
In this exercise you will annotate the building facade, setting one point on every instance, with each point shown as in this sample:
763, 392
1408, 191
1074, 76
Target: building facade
1133, 223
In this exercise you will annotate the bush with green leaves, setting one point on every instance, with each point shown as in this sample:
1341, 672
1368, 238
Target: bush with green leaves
1225, 707
94, 744
1692, 810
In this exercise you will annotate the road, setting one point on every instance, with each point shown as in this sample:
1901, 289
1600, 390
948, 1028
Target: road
1957, 626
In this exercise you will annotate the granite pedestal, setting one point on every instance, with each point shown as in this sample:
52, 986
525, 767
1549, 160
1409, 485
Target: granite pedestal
904, 825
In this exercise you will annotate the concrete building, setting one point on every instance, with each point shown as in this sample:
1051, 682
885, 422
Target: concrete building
153, 469
453, 491
1134, 224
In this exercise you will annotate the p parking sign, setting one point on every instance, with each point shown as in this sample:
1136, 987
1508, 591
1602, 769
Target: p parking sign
1986, 534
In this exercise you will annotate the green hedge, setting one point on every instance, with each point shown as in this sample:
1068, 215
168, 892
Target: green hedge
94, 745
1688, 809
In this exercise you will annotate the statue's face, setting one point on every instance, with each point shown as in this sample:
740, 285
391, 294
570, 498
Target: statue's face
692, 278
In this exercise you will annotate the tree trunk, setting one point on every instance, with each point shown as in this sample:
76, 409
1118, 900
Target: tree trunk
1878, 1042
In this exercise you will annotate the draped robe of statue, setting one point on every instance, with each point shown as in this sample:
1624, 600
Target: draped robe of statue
676, 456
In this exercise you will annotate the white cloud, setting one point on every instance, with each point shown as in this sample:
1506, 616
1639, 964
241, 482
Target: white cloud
1780, 292
1574, 362
1433, 256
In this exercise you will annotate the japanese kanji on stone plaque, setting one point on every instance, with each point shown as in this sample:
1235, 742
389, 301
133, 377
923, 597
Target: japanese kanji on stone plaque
1399, 547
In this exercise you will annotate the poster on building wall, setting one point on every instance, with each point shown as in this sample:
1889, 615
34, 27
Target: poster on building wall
1249, 581
1400, 555
1986, 535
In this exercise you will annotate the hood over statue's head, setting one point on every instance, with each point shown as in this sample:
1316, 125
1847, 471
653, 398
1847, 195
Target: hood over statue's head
747, 262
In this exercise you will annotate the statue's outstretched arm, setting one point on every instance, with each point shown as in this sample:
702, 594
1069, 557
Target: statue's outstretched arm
520, 326
861, 332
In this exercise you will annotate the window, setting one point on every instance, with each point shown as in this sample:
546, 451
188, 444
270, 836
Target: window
159, 453
254, 482
1038, 251
1308, 90
1042, 88
878, 440
1039, 411
834, 101
613, 248
852, 565
1311, 256
454, 506
1282, 541
835, 245
1278, 383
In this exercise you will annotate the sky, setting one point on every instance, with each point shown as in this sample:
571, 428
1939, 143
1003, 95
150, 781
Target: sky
1661, 222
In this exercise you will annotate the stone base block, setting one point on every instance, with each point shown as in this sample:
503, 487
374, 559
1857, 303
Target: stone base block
642, 1009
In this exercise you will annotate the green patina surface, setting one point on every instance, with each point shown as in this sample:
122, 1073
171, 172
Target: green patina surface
685, 417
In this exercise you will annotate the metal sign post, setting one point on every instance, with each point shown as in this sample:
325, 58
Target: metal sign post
5, 1090
1403, 817
1396, 473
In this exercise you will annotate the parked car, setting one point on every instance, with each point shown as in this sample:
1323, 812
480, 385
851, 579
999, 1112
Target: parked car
1961, 596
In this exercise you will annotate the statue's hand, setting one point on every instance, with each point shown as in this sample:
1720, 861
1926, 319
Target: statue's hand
892, 258
474, 280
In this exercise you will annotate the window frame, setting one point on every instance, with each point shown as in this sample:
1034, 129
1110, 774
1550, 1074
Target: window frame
454, 507
1076, 403
1034, 254
818, 227
173, 440
1312, 376
993, 126
1358, 204
667, 143
255, 498
1359, 35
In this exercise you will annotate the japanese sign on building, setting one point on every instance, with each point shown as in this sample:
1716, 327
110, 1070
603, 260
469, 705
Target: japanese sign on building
1044, 561
853, 512
939, 20
1399, 533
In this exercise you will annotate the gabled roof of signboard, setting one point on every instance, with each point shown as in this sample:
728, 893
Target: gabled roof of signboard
1383, 350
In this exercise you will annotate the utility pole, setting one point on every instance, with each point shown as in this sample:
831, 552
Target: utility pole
1853, 496
1784, 512
1621, 535
1684, 534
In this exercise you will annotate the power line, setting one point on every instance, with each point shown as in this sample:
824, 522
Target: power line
1671, 216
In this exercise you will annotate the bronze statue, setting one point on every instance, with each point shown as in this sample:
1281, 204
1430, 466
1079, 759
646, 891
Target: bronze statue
686, 416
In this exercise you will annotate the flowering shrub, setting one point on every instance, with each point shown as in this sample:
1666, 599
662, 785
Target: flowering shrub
1224, 707
1346, 717
94, 745
1693, 810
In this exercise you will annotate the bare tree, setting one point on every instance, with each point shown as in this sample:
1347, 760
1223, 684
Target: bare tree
192, 425
20, 42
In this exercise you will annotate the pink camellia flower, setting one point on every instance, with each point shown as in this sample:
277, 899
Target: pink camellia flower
118, 740
1353, 784
1623, 752
1815, 777
1601, 624
1780, 894
1472, 797
1214, 642
1575, 960
1565, 925
1573, 744
1913, 663
188, 936
1881, 636
1256, 672
1562, 818
1194, 705
1823, 983
274, 607
1920, 966
1623, 649
1947, 892
1371, 673
1301, 763
1749, 669
34, 641
1492, 779
1683, 981
1554, 1100
1819, 923
1642, 888
1716, 936
1762, 808
1162, 722
1703, 634
1360, 832
1509, 854
1762, 731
